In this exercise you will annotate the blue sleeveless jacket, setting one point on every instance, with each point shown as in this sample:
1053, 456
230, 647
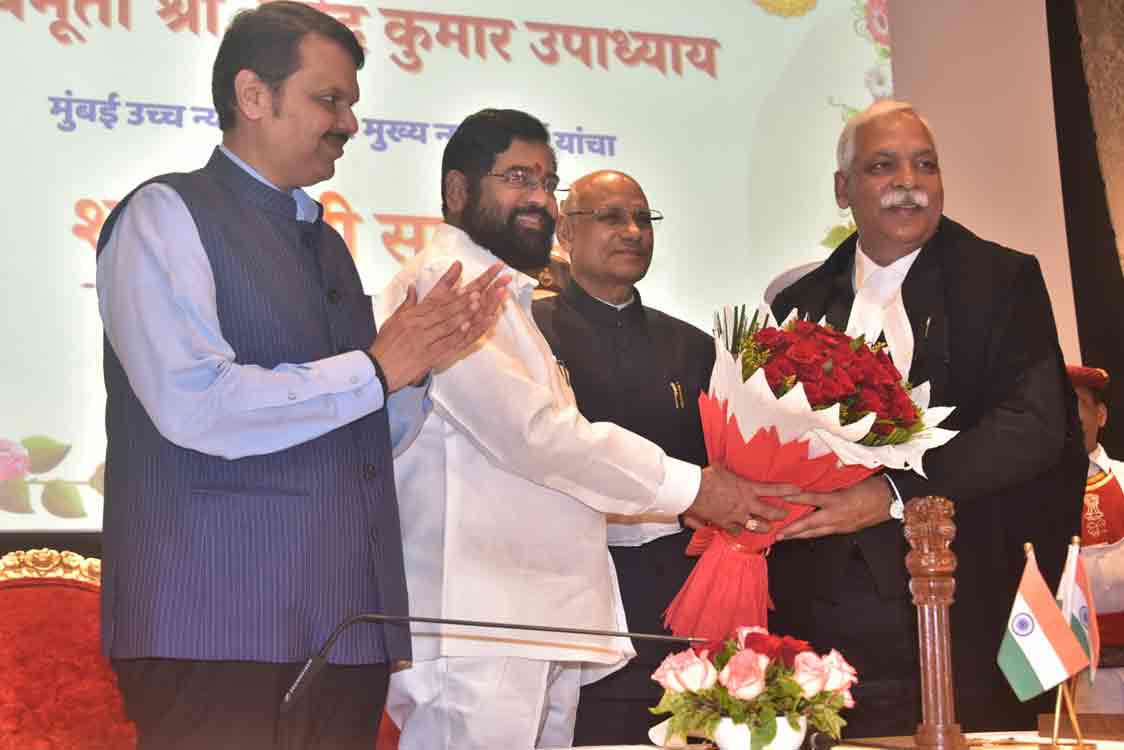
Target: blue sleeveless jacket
256, 558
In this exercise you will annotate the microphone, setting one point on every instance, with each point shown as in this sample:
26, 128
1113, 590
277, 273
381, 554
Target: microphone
313, 666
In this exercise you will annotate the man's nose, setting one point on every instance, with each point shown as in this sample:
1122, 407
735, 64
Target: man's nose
906, 176
538, 194
349, 123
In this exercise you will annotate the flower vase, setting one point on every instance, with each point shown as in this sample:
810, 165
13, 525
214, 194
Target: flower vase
731, 736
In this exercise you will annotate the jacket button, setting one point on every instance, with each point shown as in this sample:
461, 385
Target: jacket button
333, 296
369, 471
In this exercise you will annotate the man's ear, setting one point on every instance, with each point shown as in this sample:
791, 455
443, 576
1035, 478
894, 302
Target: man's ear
564, 232
455, 192
1102, 415
841, 190
253, 97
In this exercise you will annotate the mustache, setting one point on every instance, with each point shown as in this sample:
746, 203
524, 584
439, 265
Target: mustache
542, 213
339, 135
905, 198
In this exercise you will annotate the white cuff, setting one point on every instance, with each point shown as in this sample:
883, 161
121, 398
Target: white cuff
679, 488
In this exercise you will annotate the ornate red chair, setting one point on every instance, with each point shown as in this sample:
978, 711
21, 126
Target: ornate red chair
56, 691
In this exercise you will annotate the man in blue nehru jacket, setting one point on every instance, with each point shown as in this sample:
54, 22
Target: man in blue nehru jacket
251, 413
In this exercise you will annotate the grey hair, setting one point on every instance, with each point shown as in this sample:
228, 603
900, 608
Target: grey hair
845, 149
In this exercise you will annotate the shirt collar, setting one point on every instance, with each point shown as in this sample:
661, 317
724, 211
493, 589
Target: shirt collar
456, 242
603, 313
1099, 458
307, 209
897, 270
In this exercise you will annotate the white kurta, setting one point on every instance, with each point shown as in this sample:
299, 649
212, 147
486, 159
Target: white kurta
503, 495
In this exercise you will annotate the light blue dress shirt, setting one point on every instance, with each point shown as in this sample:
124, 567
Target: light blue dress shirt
156, 295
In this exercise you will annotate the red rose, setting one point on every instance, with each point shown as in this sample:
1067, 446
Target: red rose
790, 647
777, 369
868, 401
769, 338
902, 408
882, 428
815, 392
759, 640
803, 328
806, 351
839, 384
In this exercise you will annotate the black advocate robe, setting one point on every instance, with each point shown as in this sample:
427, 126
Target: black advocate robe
986, 341
643, 370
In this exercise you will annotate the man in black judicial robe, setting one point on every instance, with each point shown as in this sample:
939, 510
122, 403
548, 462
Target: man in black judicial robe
644, 371
983, 335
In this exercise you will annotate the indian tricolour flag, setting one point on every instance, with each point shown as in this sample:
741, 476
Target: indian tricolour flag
1039, 650
1076, 603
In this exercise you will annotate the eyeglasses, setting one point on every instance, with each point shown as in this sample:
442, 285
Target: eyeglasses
522, 179
615, 216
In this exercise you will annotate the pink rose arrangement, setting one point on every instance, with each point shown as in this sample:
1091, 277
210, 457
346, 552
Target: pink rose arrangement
755, 678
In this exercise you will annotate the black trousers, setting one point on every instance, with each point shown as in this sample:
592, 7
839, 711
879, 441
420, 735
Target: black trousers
876, 635
182, 705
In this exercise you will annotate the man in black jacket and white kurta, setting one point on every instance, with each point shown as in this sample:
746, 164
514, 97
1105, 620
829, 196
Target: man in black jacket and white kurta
643, 370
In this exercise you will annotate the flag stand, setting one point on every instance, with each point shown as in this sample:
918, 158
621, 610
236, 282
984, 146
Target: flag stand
1067, 688
1065, 692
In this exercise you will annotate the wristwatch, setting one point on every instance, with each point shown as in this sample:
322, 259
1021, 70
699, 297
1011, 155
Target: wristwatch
897, 507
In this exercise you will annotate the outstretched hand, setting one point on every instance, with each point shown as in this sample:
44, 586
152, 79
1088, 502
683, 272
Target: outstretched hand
420, 335
843, 511
732, 503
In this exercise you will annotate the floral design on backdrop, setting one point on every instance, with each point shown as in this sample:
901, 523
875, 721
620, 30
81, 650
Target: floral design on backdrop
871, 22
26, 464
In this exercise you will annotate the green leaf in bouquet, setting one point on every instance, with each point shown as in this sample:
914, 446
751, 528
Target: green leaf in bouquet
666, 704
765, 730
14, 496
691, 712
46, 453
898, 436
787, 688
728, 652
97, 479
827, 720
738, 711
61, 498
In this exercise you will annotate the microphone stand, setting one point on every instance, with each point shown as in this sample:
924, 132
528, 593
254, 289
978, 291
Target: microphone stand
313, 666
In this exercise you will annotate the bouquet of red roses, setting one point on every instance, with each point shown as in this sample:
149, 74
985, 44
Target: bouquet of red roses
822, 411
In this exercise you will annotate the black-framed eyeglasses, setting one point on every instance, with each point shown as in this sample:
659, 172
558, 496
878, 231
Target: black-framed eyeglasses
523, 179
615, 216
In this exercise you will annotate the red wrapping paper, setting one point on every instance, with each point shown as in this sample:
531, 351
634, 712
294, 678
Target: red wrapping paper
729, 586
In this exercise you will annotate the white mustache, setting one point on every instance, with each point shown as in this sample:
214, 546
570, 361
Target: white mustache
905, 198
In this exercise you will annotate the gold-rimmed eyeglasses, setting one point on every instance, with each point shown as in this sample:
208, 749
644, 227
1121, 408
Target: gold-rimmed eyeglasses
616, 216
523, 179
